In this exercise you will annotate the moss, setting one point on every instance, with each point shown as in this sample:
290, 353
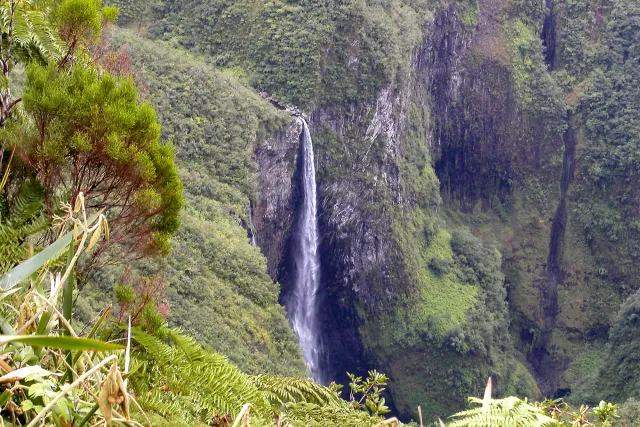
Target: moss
435, 379
578, 26
304, 53
586, 361
521, 36
522, 231
436, 337
585, 298
436, 307
440, 380
443, 300
519, 382
537, 92
468, 12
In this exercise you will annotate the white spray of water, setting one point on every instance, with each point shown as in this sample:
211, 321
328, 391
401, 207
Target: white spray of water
303, 310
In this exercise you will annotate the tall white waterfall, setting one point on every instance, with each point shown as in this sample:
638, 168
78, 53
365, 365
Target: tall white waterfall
303, 310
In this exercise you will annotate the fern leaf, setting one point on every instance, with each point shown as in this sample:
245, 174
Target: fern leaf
507, 412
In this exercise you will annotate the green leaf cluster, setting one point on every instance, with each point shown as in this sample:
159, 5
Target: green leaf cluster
34, 38
90, 124
182, 381
509, 411
618, 377
79, 20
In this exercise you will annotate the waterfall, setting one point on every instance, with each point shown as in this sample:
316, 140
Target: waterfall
252, 228
303, 307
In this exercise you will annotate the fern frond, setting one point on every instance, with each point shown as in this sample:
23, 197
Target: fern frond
25, 217
158, 350
281, 390
507, 412
312, 415
33, 38
27, 203
184, 379
188, 345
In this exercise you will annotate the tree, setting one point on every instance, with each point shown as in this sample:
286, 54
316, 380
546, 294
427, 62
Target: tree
619, 375
87, 132
82, 129
80, 24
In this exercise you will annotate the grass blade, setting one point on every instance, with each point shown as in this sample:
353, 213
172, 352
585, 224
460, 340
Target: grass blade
94, 330
61, 342
5, 177
89, 415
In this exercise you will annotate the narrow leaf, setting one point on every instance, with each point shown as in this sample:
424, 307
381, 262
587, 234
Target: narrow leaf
61, 342
5, 177
4, 398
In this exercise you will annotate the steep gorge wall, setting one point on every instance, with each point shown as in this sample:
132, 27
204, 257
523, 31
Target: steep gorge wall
492, 140
274, 212
429, 117
494, 121
507, 160
379, 197
500, 164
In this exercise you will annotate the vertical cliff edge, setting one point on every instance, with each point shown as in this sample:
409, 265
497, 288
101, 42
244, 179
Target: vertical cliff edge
476, 176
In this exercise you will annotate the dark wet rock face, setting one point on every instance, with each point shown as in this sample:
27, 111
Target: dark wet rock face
547, 368
275, 211
501, 154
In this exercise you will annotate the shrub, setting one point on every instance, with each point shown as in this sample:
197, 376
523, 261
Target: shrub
440, 265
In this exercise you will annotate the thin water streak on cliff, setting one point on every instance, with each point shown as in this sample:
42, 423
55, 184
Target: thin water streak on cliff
547, 369
252, 228
303, 307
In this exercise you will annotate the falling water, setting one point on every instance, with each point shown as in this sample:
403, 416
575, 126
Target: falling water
252, 228
304, 306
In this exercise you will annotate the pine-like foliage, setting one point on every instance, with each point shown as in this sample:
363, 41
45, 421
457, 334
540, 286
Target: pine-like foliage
23, 218
180, 379
32, 39
507, 412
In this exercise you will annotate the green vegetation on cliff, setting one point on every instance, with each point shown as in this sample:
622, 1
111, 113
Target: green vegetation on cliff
618, 377
216, 282
411, 100
610, 170
305, 53
606, 192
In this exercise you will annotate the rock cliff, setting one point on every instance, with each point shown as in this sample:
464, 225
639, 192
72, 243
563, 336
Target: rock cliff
477, 179
379, 218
